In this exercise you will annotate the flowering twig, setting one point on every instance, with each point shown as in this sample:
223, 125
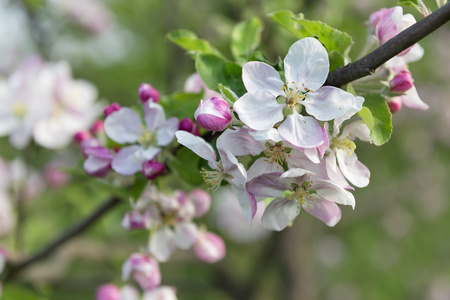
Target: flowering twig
369, 63
14, 268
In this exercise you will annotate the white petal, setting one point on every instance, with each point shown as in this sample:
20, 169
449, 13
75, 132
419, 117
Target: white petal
259, 110
356, 107
334, 173
411, 99
153, 115
247, 202
240, 142
262, 166
259, 76
414, 54
328, 103
332, 192
185, 235
198, 145
160, 293
166, 131
128, 160
300, 131
326, 211
357, 129
162, 244
356, 172
307, 63
267, 185
266, 135
233, 167
123, 126
279, 213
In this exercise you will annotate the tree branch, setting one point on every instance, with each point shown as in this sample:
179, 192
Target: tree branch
12, 269
369, 63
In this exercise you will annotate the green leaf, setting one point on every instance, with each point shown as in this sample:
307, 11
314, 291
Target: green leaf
377, 117
286, 19
215, 70
245, 38
331, 38
139, 185
186, 165
189, 41
336, 60
418, 5
181, 105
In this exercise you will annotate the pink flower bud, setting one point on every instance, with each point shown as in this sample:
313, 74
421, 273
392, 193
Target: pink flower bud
375, 17
145, 271
81, 136
152, 169
147, 92
111, 108
98, 127
201, 201
134, 220
98, 162
209, 247
395, 104
401, 82
108, 291
188, 125
213, 114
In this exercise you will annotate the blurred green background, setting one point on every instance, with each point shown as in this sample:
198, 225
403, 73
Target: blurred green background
394, 245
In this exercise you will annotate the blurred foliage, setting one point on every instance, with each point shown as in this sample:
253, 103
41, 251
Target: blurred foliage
392, 246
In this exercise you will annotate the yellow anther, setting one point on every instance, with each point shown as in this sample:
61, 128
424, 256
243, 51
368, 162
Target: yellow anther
276, 154
344, 144
19, 109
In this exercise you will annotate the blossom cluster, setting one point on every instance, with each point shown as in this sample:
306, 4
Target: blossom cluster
41, 101
384, 25
293, 128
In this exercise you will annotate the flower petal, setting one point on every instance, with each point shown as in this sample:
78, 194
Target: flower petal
266, 185
300, 131
240, 142
162, 245
123, 126
198, 145
279, 213
153, 115
185, 235
411, 99
166, 131
259, 110
332, 192
356, 172
328, 103
306, 63
259, 76
128, 160
324, 210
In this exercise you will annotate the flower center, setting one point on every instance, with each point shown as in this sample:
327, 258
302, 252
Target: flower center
146, 137
276, 154
212, 178
19, 110
302, 195
344, 144
294, 96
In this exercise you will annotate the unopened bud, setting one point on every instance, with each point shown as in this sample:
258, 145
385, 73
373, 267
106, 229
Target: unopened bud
201, 201
111, 108
209, 247
81, 136
152, 169
134, 220
147, 92
108, 291
213, 114
401, 82
395, 104
98, 162
187, 124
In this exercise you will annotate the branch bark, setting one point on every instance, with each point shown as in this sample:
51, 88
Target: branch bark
369, 63
12, 269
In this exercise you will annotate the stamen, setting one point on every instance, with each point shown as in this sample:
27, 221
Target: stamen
276, 154
146, 137
212, 178
302, 196
344, 144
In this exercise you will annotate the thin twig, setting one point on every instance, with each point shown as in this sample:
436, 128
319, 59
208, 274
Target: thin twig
405, 39
14, 268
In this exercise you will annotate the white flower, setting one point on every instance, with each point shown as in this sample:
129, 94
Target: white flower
306, 69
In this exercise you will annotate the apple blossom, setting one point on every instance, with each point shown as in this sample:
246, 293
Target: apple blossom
306, 69
145, 271
186, 124
125, 126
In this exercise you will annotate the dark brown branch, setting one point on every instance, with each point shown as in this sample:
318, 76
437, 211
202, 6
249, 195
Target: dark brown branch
369, 63
14, 268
